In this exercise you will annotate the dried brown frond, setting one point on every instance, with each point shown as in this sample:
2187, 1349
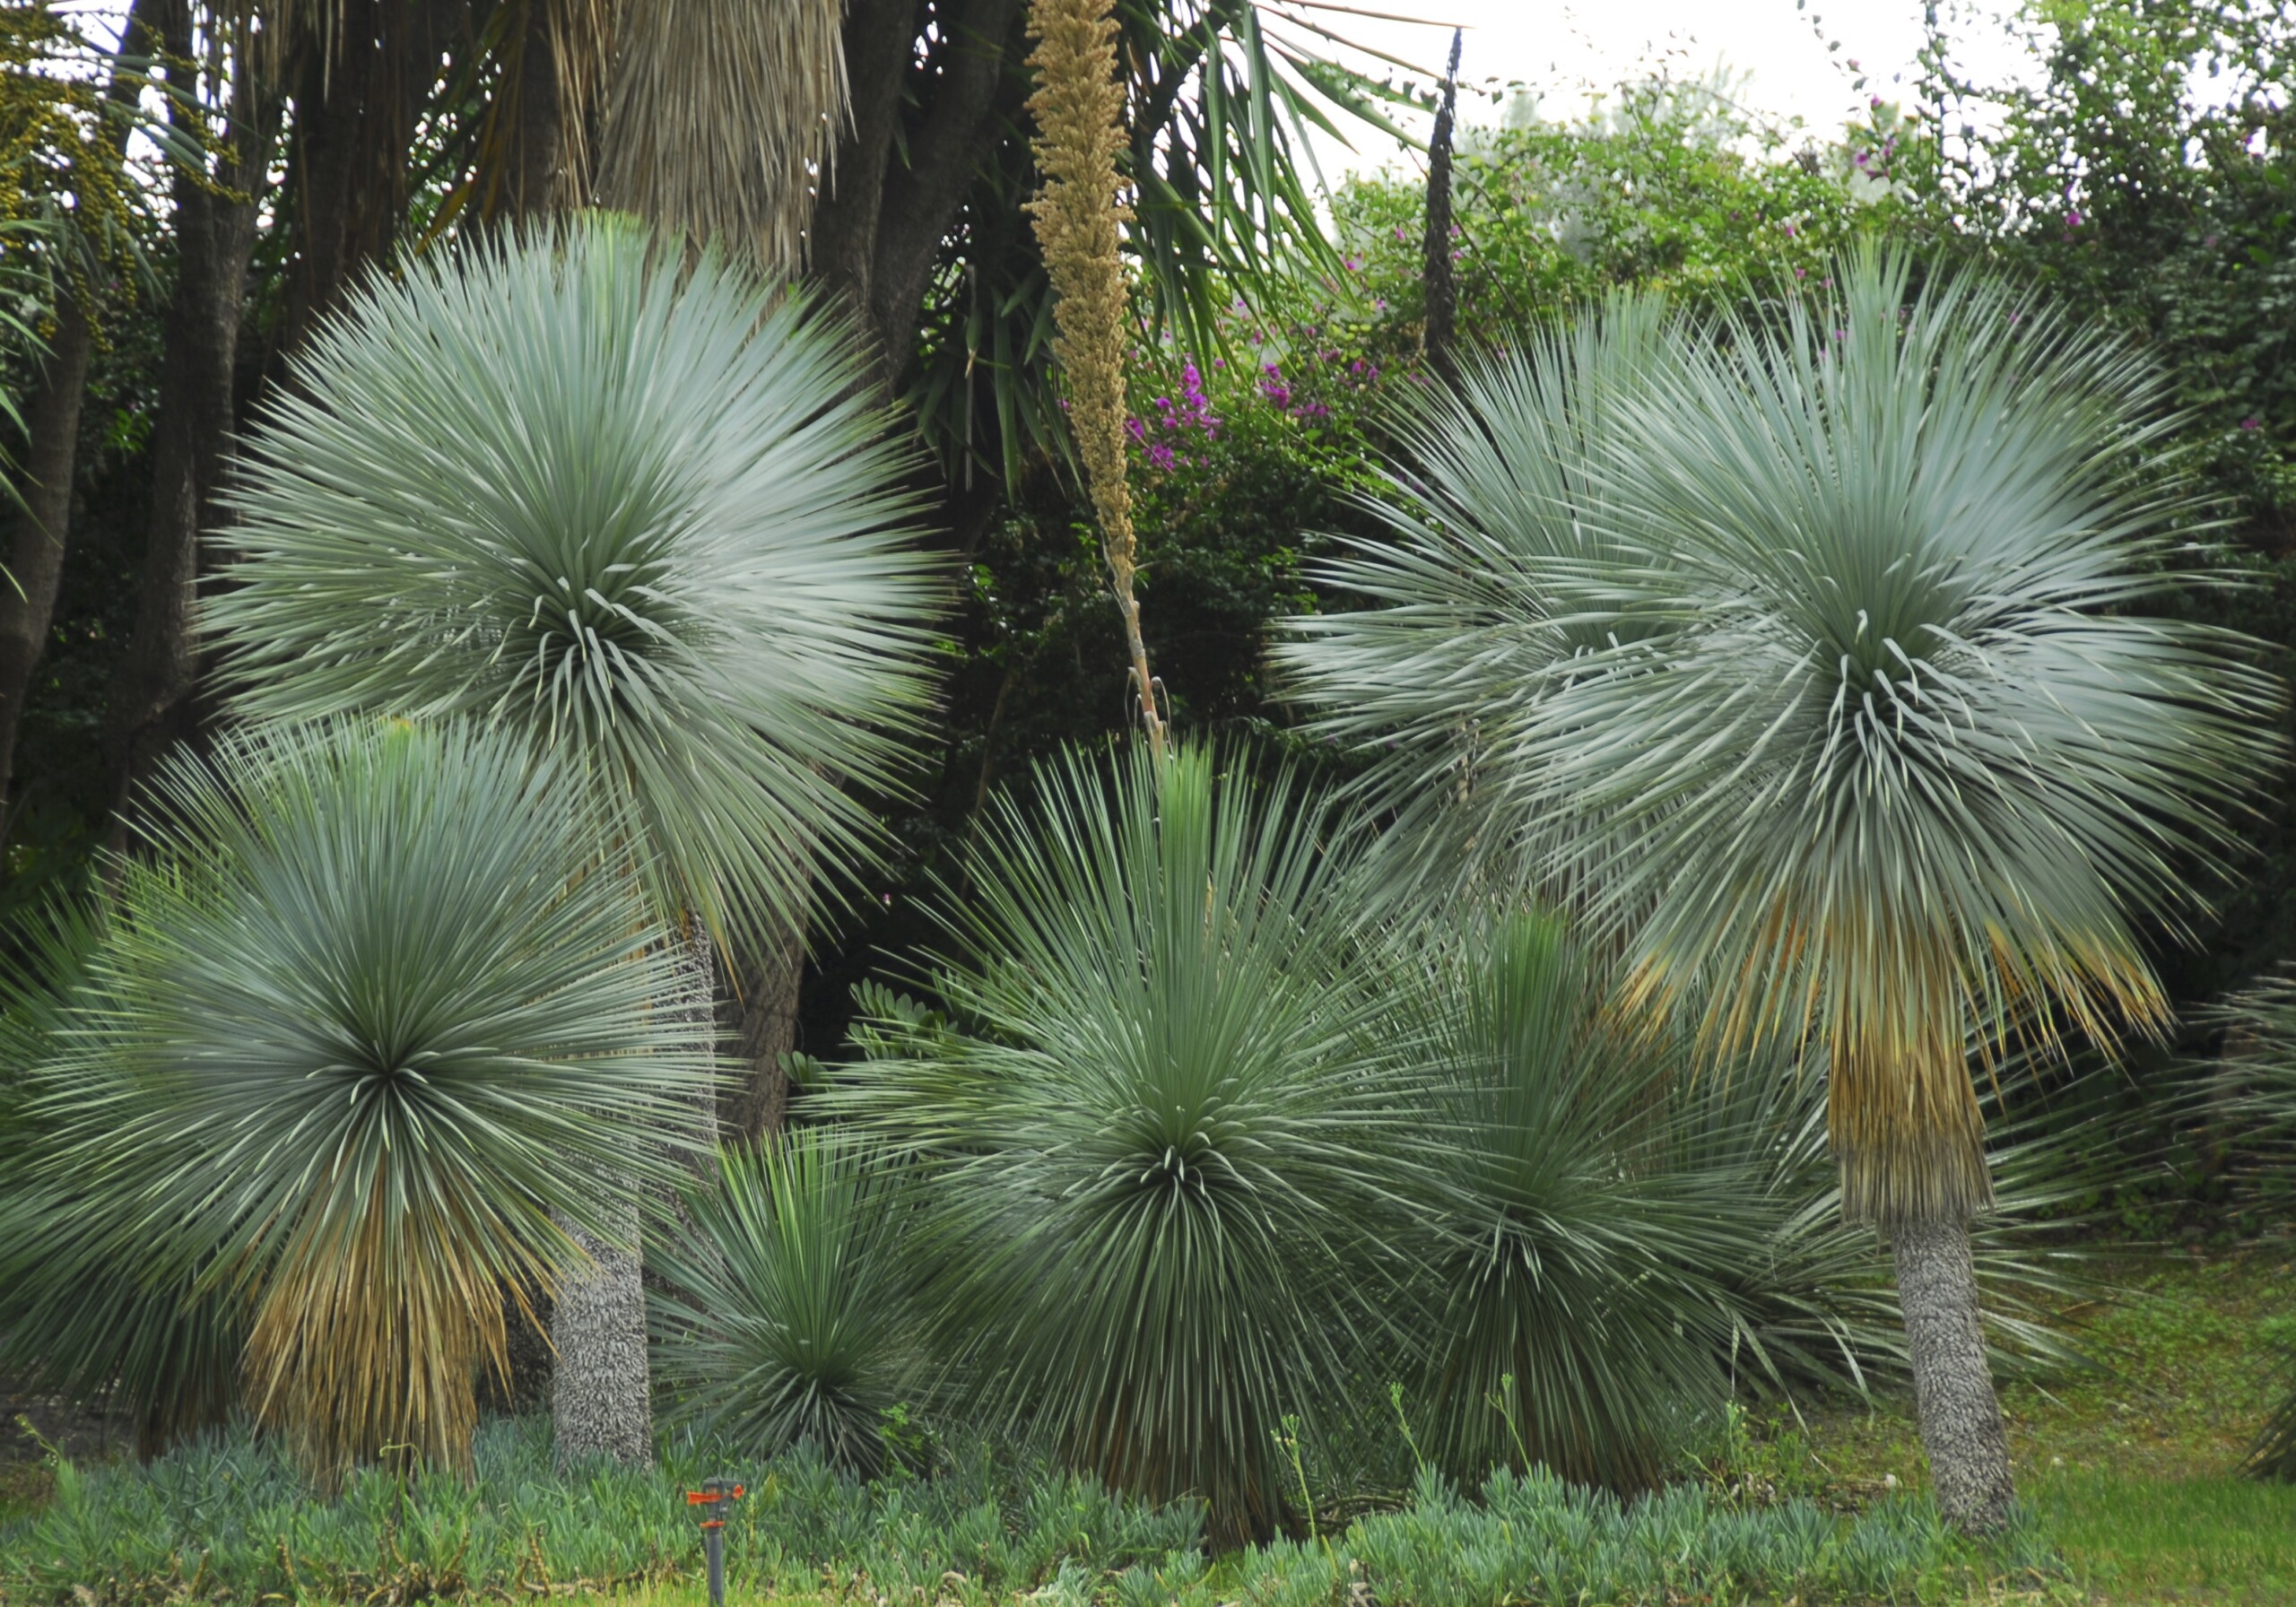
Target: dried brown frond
369, 1336
720, 118
1908, 1016
1079, 110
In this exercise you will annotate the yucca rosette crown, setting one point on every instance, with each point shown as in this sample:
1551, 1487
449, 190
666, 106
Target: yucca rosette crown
627, 505
1863, 714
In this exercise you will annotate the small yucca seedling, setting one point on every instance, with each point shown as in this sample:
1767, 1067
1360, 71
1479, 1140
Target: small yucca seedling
786, 1315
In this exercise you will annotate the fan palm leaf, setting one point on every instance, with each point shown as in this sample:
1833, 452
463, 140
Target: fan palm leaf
354, 1056
629, 509
1149, 1135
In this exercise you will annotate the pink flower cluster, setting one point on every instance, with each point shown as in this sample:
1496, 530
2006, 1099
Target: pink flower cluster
1176, 423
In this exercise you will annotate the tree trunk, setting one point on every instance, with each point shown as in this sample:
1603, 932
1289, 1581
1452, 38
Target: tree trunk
757, 1107
51, 462
151, 705
1440, 284
1961, 1416
905, 162
600, 1396
601, 1399
533, 170
44, 522
700, 1008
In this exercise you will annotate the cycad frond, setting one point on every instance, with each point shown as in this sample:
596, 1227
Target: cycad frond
628, 509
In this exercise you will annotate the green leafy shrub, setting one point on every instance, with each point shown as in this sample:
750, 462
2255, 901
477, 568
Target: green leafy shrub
1669, 185
785, 1312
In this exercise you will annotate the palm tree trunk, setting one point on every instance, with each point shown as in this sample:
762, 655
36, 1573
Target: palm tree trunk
1953, 1384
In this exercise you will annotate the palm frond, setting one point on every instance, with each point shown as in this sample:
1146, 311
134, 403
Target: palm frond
630, 510
721, 118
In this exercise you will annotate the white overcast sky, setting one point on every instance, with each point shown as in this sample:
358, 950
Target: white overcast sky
1563, 48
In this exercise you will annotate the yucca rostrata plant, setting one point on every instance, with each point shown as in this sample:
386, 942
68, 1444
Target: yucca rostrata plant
1151, 1152
1079, 108
354, 1055
1840, 714
632, 511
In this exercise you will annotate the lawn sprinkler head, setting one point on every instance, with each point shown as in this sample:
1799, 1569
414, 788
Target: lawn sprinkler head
711, 1498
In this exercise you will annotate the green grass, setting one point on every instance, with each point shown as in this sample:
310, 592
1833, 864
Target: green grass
2204, 1539
2133, 1469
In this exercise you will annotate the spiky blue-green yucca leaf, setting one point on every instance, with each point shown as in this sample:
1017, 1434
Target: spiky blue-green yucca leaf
1605, 1235
1150, 1133
786, 1312
1886, 751
75, 1319
623, 505
2254, 1079
1500, 510
353, 1051
1572, 1316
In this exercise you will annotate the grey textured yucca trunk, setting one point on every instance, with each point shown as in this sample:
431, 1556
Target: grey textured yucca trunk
1953, 1384
601, 1399
601, 1391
